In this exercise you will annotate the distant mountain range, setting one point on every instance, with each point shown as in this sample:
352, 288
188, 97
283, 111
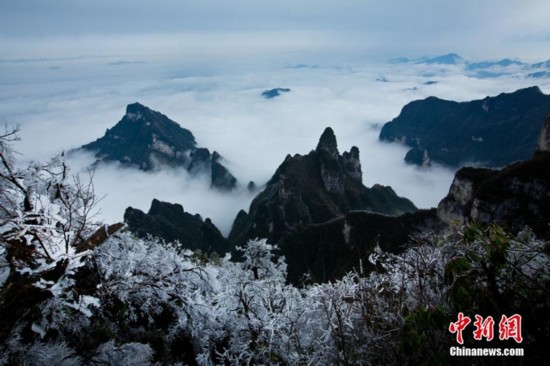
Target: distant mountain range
449, 59
492, 132
488, 64
144, 139
482, 69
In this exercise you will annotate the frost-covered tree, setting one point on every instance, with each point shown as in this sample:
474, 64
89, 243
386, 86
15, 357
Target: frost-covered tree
145, 286
46, 217
250, 304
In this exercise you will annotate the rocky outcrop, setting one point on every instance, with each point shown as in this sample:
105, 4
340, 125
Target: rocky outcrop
457, 205
220, 176
314, 188
170, 222
99, 236
543, 143
146, 139
492, 132
418, 157
515, 197
336, 169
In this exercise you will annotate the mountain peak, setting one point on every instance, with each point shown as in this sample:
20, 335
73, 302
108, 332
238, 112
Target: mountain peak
493, 132
136, 107
530, 90
311, 189
328, 142
448, 59
146, 139
136, 111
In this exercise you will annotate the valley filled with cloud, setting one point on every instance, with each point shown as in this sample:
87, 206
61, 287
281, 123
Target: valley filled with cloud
61, 104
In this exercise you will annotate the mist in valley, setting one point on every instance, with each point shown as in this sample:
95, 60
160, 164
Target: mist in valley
207, 72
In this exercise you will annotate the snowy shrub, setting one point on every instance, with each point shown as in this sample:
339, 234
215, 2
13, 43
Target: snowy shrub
46, 215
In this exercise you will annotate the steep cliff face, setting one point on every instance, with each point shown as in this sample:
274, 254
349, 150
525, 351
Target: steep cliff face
491, 132
336, 169
515, 196
543, 143
314, 188
456, 206
145, 139
220, 175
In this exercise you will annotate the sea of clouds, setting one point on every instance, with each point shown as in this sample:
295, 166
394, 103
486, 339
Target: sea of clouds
63, 103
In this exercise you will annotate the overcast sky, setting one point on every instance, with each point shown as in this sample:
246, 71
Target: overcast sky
474, 28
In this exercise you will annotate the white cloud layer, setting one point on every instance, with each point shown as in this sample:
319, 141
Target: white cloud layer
62, 104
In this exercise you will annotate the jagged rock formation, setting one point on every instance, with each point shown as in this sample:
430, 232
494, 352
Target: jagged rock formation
314, 188
220, 176
145, 138
272, 93
491, 132
515, 196
170, 222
